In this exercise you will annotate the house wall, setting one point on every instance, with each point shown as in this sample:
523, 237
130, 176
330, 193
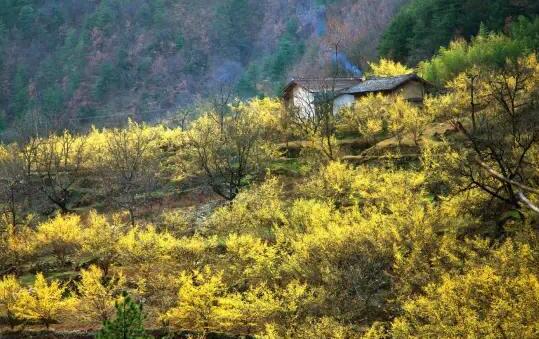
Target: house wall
345, 100
413, 91
303, 99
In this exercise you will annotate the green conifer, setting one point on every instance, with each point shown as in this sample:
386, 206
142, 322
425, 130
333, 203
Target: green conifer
128, 323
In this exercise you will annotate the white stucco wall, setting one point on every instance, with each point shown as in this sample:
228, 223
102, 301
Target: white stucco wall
303, 99
344, 100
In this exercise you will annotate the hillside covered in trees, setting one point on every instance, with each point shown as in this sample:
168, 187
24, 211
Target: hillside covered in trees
422, 26
251, 218
72, 62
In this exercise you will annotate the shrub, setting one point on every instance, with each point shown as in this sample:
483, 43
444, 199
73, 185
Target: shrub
61, 236
44, 302
10, 290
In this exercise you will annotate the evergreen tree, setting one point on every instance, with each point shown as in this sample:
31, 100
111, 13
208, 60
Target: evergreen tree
27, 16
235, 26
128, 323
20, 92
247, 84
2, 120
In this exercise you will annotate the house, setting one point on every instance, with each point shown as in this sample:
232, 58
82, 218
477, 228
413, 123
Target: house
344, 92
303, 93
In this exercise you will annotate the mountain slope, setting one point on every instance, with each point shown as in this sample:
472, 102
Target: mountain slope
68, 61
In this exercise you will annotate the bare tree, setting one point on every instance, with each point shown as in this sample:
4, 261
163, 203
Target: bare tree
522, 188
230, 150
220, 101
31, 125
60, 166
30, 151
13, 180
313, 114
183, 117
130, 172
503, 132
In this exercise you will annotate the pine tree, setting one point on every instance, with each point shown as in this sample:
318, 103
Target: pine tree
128, 323
483, 30
26, 19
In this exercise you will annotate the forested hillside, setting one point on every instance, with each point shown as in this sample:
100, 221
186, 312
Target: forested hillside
69, 62
423, 26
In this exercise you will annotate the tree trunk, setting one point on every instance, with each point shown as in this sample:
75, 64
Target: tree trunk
132, 217
13, 211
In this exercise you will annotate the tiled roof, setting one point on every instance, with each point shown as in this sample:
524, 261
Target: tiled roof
338, 84
319, 85
352, 85
381, 84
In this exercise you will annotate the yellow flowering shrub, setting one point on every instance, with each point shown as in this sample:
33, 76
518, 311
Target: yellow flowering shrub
387, 67
100, 240
406, 118
61, 236
203, 303
140, 246
481, 303
368, 116
336, 181
325, 327
255, 211
44, 302
250, 259
97, 298
19, 246
10, 290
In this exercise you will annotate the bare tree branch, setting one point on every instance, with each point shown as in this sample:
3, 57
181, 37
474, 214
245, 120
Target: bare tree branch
527, 202
500, 177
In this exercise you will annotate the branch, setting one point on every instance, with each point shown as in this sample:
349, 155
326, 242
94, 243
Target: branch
527, 202
504, 179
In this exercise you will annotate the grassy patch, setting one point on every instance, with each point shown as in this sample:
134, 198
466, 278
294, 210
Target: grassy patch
29, 278
289, 167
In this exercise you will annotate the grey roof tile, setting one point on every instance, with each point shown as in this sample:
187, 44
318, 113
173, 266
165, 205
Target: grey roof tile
353, 85
318, 85
381, 84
